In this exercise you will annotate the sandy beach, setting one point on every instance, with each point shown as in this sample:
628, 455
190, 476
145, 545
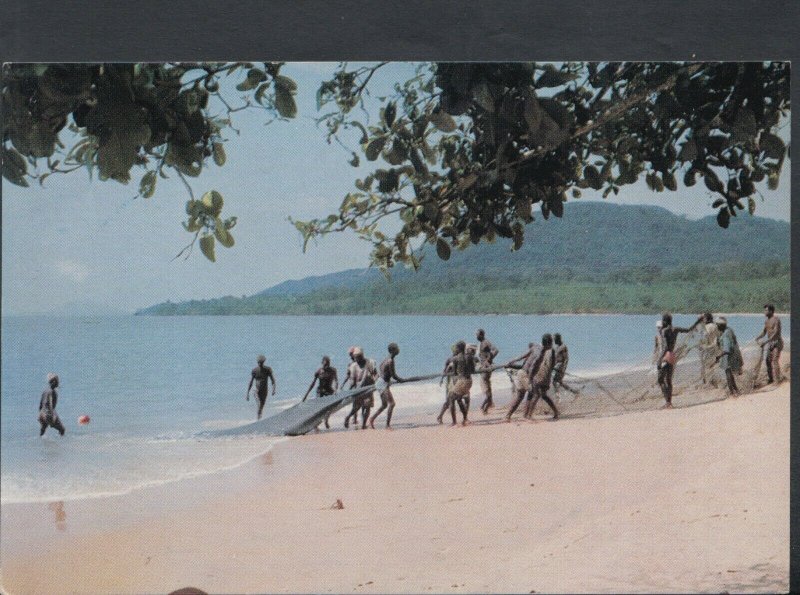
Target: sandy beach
692, 499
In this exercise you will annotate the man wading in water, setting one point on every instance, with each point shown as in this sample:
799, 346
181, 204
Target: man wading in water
486, 354
328, 382
773, 344
261, 374
461, 368
365, 375
388, 374
47, 407
522, 381
666, 361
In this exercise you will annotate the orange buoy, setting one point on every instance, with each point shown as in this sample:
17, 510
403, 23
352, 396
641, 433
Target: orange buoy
84, 419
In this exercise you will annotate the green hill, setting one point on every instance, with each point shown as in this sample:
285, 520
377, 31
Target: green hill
599, 258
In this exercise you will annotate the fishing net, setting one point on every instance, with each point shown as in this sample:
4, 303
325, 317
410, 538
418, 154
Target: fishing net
697, 379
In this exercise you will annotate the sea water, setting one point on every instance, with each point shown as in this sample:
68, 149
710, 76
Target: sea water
153, 385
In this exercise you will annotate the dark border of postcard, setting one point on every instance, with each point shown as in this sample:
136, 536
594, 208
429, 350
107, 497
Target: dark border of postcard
501, 30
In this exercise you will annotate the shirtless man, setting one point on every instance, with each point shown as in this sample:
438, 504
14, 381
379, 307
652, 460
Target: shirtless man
522, 381
560, 368
387, 373
666, 360
47, 407
486, 354
261, 374
328, 382
461, 368
366, 373
772, 343
350, 377
540, 378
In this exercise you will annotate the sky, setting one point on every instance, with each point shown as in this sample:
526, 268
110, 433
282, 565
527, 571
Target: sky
79, 246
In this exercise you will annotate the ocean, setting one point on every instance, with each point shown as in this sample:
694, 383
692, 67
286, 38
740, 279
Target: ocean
153, 385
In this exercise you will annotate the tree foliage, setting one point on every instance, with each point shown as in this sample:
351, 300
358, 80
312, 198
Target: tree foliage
155, 118
464, 152
467, 150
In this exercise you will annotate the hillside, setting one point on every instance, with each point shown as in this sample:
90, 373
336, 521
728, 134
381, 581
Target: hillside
585, 260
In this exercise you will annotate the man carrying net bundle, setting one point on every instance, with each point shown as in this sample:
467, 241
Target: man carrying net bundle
730, 357
709, 347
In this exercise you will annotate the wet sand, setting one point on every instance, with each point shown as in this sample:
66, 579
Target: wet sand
692, 499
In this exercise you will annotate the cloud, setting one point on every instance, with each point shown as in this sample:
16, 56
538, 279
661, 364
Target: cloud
73, 270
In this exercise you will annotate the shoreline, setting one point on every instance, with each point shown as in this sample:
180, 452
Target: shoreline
490, 507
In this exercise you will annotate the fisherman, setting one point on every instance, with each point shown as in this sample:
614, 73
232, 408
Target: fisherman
540, 378
366, 373
261, 374
659, 344
328, 382
460, 384
772, 343
560, 368
486, 354
709, 345
667, 360
47, 407
730, 357
522, 381
352, 370
470, 354
387, 373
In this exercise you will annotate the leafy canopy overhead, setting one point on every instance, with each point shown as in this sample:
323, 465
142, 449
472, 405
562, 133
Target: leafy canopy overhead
463, 151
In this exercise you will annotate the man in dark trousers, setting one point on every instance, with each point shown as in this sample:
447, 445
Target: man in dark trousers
261, 375
47, 407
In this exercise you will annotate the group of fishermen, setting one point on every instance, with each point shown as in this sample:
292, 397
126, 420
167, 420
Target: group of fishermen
718, 345
542, 366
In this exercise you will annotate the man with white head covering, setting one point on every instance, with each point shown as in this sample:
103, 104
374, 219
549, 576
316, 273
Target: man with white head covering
730, 358
366, 374
47, 407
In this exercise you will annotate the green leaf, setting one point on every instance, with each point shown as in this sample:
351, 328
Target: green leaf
723, 218
213, 202
374, 148
688, 151
223, 236
592, 177
285, 82
669, 181
772, 180
751, 205
533, 112
442, 249
14, 167
218, 151
207, 247
554, 78
284, 102
772, 145
443, 121
389, 113
193, 225
483, 97
147, 186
